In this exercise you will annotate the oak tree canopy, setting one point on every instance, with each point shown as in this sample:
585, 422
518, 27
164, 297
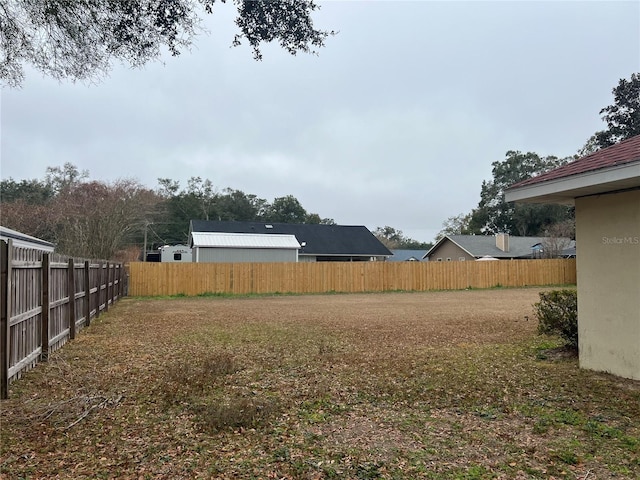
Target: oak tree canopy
81, 39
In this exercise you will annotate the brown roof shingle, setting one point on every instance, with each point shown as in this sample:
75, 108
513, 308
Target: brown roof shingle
626, 151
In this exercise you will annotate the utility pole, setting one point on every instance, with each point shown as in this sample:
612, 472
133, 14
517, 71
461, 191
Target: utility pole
144, 249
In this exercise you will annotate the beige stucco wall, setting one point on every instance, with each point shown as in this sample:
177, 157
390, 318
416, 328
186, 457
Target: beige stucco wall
608, 264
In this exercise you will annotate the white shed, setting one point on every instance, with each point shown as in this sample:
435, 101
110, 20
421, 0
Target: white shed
175, 253
243, 247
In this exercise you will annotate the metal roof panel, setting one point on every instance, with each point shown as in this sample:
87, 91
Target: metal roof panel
244, 240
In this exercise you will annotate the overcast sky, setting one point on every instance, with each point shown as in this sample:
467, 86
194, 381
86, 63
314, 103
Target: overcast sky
396, 122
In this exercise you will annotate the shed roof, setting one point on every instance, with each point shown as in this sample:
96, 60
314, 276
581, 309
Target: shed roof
611, 169
26, 241
243, 240
314, 239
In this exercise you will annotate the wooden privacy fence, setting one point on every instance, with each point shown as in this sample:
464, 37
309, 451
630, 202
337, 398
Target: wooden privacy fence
151, 279
44, 300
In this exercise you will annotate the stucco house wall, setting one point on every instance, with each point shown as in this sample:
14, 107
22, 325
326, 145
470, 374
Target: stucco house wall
608, 233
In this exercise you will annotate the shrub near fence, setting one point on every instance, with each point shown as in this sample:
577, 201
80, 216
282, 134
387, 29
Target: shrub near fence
45, 299
152, 279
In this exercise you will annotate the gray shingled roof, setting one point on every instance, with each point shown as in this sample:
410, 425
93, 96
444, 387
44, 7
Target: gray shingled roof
404, 255
482, 245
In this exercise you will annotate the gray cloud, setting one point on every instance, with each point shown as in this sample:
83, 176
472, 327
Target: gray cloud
396, 122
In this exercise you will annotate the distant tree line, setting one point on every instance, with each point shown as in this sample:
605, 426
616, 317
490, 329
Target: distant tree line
396, 240
201, 200
494, 215
96, 219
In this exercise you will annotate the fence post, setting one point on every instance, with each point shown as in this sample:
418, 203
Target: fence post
5, 311
124, 278
98, 288
71, 277
46, 270
107, 295
120, 282
116, 276
87, 294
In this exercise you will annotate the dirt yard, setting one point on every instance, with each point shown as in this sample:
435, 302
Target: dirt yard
398, 385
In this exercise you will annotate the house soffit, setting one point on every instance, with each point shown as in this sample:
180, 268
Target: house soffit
566, 189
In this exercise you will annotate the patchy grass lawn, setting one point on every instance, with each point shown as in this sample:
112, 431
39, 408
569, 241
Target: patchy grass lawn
401, 385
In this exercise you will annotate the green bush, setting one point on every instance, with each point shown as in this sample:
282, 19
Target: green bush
557, 313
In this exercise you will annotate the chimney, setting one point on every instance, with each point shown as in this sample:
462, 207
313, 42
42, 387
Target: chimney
502, 241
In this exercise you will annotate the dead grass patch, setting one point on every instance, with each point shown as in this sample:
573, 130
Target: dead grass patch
407, 385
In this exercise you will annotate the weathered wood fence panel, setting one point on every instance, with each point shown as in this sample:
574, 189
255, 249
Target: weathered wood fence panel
45, 299
151, 279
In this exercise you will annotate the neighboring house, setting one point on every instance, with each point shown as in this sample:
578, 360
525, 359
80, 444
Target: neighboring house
23, 240
503, 246
214, 241
175, 253
400, 255
605, 189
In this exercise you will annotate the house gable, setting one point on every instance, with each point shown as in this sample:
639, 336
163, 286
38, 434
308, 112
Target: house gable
447, 249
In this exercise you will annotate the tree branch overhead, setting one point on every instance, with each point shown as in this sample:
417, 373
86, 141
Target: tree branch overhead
81, 39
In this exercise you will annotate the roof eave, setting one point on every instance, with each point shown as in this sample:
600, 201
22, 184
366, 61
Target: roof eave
565, 190
23, 240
